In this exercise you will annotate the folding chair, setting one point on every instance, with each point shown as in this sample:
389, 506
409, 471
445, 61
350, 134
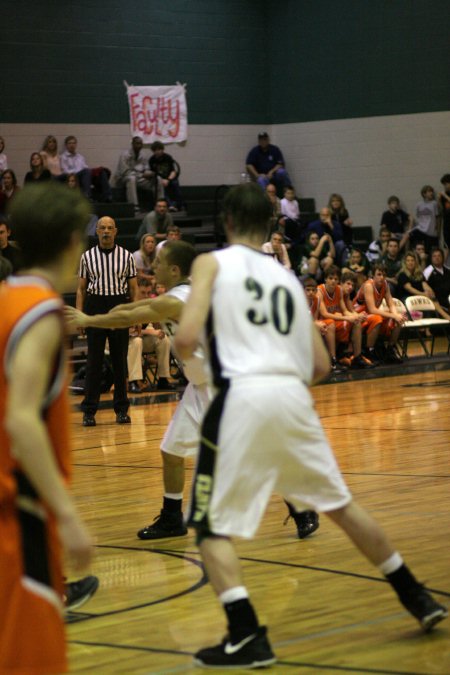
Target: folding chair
150, 367
420, 303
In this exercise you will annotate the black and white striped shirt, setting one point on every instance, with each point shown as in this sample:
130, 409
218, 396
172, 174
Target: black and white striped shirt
107, 270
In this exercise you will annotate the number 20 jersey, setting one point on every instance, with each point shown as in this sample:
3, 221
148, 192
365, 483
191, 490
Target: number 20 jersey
259, 322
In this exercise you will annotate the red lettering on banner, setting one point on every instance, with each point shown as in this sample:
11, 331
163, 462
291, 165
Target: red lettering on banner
155, 117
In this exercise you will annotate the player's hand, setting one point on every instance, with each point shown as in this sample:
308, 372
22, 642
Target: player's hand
76, 541
74, 318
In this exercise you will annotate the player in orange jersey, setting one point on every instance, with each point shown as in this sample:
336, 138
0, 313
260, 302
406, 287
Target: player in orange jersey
38, 518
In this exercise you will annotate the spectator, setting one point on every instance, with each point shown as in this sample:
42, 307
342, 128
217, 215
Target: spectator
392, 263
7, 250
378, 321
276, 221
265, 164
425, 228
144, 257
73, 184
107, 277
412, 282
395, 219
9, 189
290, 209
50, 157
359, 265
73, 162
317, 255
37, 171
336, 205
3, 157
173, 234
167, 171
157, 221
378, 247
5, 269
419, 250
326, 225
133, 172
438, 277
276, 248
444, 205
145, 339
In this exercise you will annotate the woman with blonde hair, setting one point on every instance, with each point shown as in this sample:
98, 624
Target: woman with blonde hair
412, 282
339, 212
144, 257
50, 157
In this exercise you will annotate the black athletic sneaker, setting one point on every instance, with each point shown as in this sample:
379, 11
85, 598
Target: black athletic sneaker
76, 593
253, 651
165, 525
307, 522
424, 607
392, 356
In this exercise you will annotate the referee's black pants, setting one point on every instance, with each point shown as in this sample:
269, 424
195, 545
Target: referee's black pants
118, 350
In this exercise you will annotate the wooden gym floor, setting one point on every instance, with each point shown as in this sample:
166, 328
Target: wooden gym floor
327, 609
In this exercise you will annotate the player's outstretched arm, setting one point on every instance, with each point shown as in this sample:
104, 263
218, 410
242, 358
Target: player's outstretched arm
162, 308
196, 310
33, 361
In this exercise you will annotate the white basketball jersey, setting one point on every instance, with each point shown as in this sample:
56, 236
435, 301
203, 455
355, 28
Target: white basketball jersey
260, 321
196, 368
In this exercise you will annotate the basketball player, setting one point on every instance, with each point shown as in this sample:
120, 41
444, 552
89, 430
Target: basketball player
172, 268
38, 518
261, 432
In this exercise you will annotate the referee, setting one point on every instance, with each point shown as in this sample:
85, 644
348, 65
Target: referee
107, 277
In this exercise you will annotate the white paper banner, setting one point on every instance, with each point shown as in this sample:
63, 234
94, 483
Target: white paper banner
158, 113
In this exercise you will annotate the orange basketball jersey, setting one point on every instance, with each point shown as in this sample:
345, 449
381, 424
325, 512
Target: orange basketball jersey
378, 295
331, 302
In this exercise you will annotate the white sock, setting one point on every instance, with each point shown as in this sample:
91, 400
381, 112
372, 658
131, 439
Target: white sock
173, 495
233, 594
392, 564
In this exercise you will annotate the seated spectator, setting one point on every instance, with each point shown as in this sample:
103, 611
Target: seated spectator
327, 327
412, 282
336, 205
8, 251
144, 257
377, 249
276, 221
359, 265
444, 206
265, 164
157, 221
376, 320
290, 209
73, 162
317, 254
326, 225
146, 339
38, 172
3, 157
438, 277
276, 248
419, 250
9, 189
50, 157
167, 171
73, 184
392, 262
5, 269
133, 172
397, 221
347, 323
425, 228
173, 234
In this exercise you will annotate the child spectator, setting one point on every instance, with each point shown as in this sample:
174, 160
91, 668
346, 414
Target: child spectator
379, 321
392, 263
378, 248
426, 220
276, 248
419, 250
347, 324
395, 219
290, 209
336, 205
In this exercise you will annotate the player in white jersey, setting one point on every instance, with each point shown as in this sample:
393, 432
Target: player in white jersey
182, 436
261, 432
